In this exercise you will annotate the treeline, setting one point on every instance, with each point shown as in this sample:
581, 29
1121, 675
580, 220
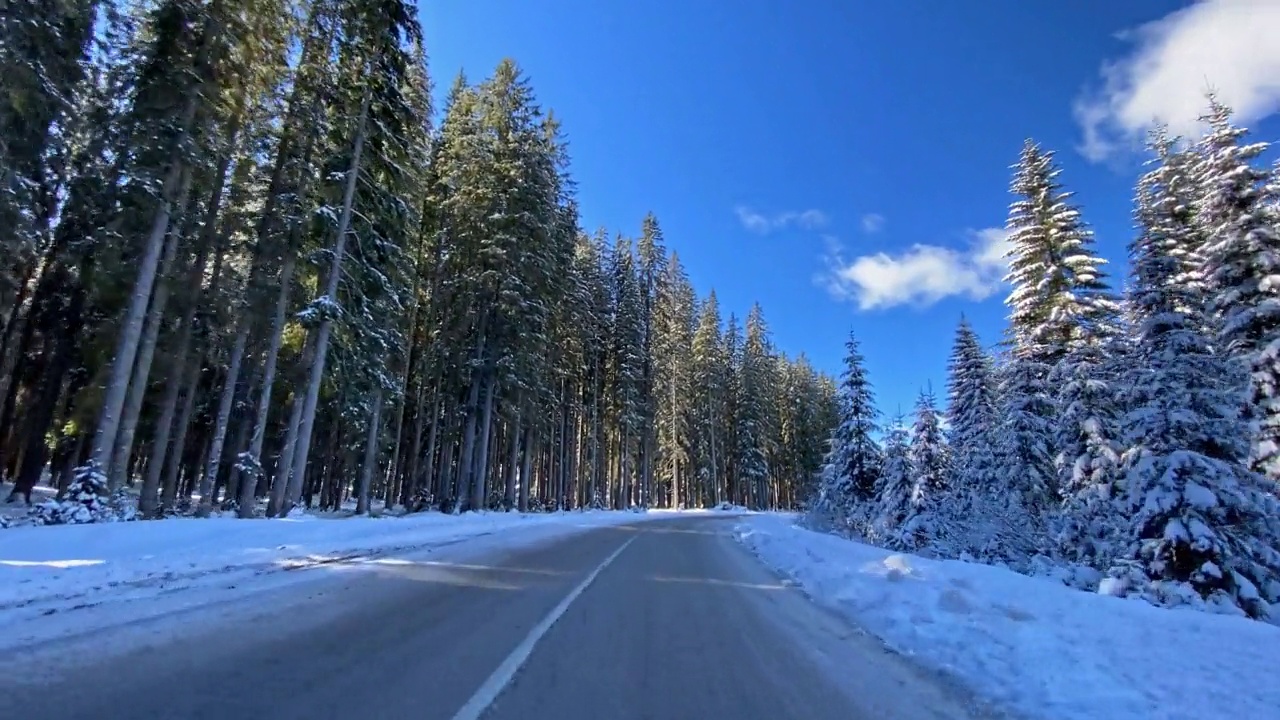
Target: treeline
1131, 439
244, 269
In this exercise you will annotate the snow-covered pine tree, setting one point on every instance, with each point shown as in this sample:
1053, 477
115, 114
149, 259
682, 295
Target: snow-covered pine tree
894, 489
1060, 297
1241, 225
753, 422
1095, 384
626, 367
710, 385
848, 492
1201, 526
1088, 446
970, 409
977, 506
930, 474
1024, 436
731, 355
672, 347
1060, 301
1086, 441
807, 412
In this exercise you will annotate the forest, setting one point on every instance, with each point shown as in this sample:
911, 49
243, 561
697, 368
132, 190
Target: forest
1123, 440
246, 266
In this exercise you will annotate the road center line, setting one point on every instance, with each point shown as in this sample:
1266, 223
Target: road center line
494, 685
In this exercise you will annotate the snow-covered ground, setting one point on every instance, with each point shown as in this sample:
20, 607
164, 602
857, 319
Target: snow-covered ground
51, 570
1030, 644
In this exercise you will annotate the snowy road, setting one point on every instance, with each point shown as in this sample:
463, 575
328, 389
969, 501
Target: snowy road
662, 619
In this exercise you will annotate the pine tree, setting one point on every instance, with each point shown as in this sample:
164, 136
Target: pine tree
893, 505
1087, 431
1060, 297
672, 349
971, 410
854, 457
1241, 224
930, 471
1059, 303
753, 426
710, 407
1023, 441
1200, 524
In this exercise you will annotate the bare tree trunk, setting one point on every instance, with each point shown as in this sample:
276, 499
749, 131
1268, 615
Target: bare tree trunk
470, 422
412, 480
675, 464
127, 345
562, 452
231, 493
479, 482
221, 420
331, 293
173, 465
287, 487
251, 461
513, 459
526, 470
446, 477
370, 454
148, 499
402, 400
711, 439
146, 355
597, 466
433, 438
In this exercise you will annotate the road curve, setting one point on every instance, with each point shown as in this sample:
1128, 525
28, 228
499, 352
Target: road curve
661, 619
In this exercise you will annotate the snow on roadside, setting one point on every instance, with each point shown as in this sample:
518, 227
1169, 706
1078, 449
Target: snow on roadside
1030, 644
48, 569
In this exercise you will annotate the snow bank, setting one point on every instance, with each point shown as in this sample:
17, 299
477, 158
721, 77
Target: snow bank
50, 568
1030, 644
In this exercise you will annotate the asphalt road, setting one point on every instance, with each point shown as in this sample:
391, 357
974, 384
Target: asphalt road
662, 619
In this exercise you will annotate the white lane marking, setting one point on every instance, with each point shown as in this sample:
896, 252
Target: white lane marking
498, 681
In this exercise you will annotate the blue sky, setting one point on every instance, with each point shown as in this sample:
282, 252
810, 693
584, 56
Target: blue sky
846, 163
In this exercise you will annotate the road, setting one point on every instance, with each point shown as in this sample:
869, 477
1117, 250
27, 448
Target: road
660, 619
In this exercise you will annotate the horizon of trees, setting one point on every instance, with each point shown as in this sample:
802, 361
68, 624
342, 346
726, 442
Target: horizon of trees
242, 267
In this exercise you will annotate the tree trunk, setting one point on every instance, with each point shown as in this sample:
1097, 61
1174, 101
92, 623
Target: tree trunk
470, 420
526, 470
251, 461
427, 478
331, 293
220, 422
392, 491
370, 454
287, 486
479, 483
148, 499
177, 452
412, 480
513, 459
146, 355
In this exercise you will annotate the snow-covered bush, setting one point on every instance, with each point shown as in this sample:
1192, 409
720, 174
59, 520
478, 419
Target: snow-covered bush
86, 501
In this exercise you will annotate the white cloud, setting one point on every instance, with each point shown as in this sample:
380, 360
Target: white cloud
920, 276
763, 224
872, 223
1227, 46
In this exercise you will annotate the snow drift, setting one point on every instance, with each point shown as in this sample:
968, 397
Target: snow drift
1031, 644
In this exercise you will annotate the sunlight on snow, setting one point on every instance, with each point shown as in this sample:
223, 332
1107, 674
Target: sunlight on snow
51, 563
